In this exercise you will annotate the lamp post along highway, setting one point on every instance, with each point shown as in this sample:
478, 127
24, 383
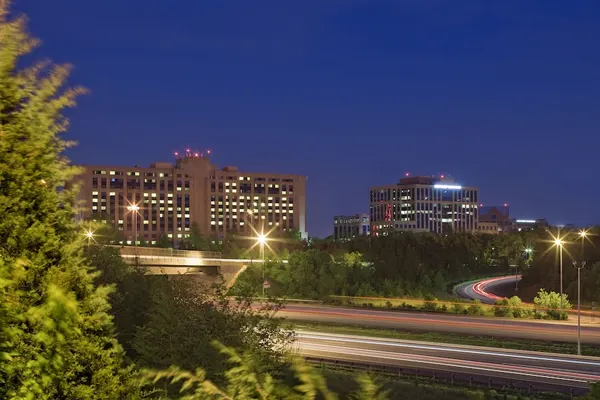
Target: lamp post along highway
579, 266
134, 208
559, 242
262, 239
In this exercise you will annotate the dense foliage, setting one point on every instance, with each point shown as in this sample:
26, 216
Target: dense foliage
171, 321
401, 264
55, 330
243, 382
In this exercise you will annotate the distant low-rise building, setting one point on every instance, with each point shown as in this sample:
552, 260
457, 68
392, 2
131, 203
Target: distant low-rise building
497, 216
350, 226
529, 224
489, 227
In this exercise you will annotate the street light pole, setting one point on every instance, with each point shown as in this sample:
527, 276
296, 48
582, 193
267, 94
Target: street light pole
579, 266
134, 208
262, 257
262, 239
559, 242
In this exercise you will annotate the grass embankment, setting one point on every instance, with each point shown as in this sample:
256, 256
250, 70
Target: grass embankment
452, 338
409, 388
511, 308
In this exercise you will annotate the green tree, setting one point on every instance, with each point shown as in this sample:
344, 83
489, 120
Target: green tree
185, 317
131, 301
548, 305
54, 322
164, 241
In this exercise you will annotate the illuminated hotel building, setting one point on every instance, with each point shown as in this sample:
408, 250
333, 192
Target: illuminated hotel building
424, 204
172, 197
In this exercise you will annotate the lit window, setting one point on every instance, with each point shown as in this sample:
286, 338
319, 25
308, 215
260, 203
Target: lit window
111, 194
111, 172
94, 200
170, 235
94, 207
213, 223
94, 193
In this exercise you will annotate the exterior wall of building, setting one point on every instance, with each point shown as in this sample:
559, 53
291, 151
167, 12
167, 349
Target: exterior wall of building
424, 204
350, 226
498, 215
193, 191
489, 227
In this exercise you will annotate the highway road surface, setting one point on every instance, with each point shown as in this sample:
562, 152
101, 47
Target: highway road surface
432, 322
483, 290
535, 370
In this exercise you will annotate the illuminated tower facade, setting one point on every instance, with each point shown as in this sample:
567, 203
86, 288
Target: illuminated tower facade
424, 204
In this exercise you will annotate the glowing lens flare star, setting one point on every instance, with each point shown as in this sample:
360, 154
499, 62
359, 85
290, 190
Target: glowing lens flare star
261, 239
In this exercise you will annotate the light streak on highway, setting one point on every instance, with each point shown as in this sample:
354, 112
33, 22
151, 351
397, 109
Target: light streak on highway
480, 326
542, 368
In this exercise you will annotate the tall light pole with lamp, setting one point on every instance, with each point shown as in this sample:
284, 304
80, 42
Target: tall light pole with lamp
559, 242
262, 239
134, 208
579, 265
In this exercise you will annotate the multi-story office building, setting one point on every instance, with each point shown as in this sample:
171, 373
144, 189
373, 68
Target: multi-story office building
350, 226
172, 197
424, 203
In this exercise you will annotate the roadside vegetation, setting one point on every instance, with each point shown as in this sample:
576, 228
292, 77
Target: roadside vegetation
546, 305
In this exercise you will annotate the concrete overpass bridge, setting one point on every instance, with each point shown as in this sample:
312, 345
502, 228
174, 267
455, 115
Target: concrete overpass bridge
208, 266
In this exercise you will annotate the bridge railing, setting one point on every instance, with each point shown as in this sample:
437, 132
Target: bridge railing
161, 252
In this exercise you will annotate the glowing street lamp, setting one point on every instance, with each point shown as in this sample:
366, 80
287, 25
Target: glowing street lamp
89, 234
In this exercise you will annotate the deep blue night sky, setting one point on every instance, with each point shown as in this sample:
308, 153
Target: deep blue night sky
503, 95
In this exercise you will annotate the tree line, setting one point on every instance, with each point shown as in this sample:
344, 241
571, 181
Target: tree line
399, 264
